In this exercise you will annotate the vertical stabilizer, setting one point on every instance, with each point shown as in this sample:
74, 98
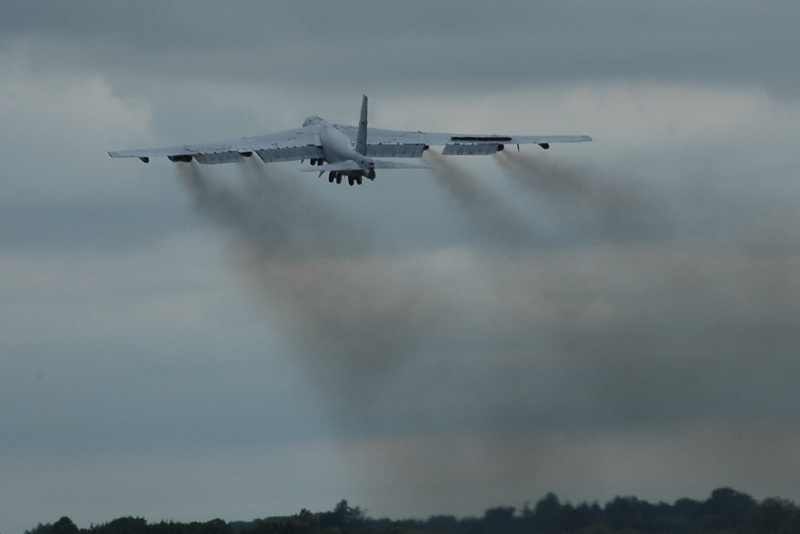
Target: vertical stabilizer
361, 139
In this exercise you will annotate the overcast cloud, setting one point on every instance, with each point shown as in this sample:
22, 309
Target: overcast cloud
613, 318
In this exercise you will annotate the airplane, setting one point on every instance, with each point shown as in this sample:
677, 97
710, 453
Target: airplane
341, 150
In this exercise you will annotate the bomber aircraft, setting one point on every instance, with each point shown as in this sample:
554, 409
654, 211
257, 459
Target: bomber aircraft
341, 150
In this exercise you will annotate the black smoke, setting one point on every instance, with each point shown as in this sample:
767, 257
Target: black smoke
488, 369
354, 317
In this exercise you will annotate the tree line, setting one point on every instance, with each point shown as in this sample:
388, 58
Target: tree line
726, 511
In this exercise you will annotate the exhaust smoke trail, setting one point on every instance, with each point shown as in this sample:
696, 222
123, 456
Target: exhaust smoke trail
618, 208
355, 319
483, 208
482, 374
274, 211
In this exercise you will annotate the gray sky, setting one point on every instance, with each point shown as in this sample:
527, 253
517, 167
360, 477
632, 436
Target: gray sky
613, 318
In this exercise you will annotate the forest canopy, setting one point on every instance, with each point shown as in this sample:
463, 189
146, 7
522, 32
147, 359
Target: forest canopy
725, 511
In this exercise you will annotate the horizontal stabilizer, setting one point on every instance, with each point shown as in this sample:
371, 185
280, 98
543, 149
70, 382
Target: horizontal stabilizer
382, 164
339, 166
352, 166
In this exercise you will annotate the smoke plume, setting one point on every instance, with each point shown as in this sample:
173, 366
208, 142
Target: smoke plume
605, 205
487, 211
355, 319
486, 374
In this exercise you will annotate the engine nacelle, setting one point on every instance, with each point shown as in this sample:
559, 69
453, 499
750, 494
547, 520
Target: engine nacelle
180, 157
544, 145
471, 149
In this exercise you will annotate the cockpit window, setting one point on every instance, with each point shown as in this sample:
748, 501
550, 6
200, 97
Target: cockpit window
313, 119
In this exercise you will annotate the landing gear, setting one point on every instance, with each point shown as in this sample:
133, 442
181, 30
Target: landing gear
336, 176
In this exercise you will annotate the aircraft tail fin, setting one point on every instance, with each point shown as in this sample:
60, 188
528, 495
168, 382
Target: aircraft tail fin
361, 138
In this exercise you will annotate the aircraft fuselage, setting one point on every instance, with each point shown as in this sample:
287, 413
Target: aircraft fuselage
337, 146
342, 155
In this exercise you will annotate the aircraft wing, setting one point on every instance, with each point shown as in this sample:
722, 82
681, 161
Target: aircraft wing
408, 144
352, 166
289, 145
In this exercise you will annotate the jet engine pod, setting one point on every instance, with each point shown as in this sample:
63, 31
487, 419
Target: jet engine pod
180, 157
471, 149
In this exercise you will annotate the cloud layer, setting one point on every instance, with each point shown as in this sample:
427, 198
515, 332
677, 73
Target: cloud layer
599, 319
